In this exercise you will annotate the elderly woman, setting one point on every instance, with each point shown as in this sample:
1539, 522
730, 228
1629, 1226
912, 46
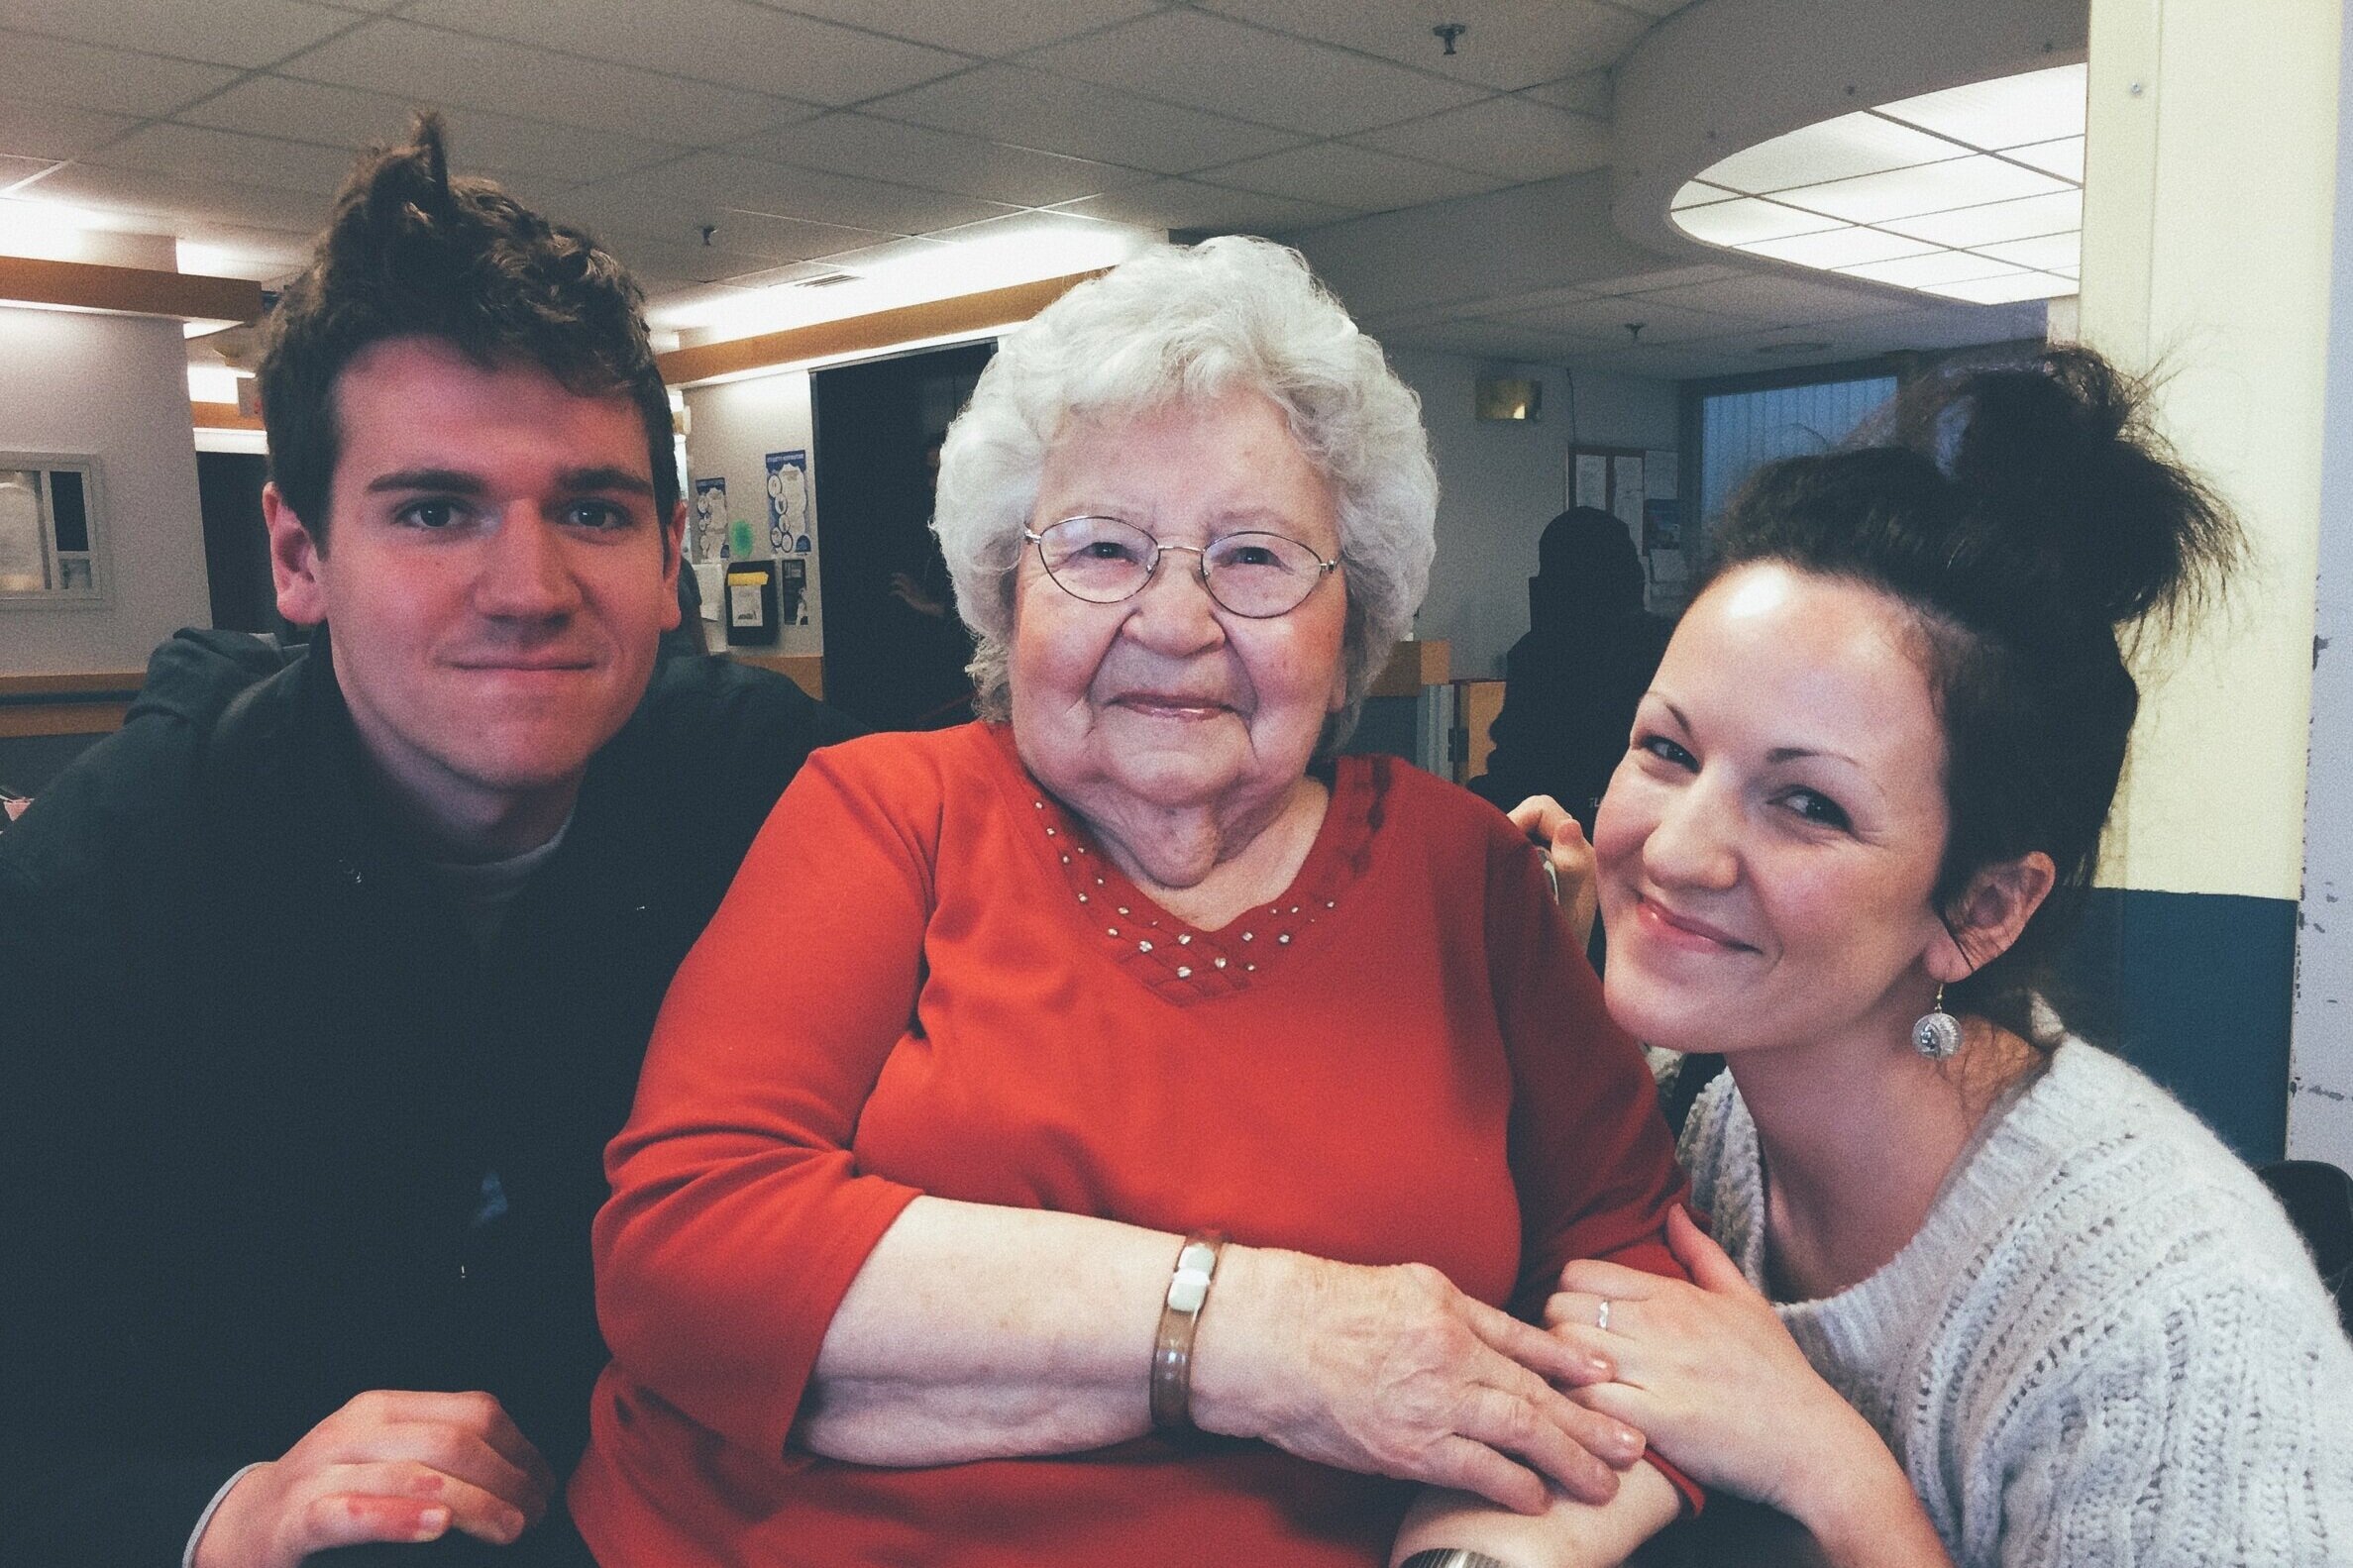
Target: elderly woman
1111, 1131
1985, 1295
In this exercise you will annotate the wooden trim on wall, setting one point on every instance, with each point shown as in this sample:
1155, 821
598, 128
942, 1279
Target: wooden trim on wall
61, 718
89, 702
222, 416
883, 329
806, 671
50, 688
128, 290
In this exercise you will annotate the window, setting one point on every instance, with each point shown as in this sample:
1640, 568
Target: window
50, 541
1743, 429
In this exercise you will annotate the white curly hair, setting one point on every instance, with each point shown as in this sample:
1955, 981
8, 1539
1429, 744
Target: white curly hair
1181, 324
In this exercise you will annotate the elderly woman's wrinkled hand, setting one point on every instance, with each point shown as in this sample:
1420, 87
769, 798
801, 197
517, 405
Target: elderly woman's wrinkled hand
1575, 878
1395, 1372
1709, 1372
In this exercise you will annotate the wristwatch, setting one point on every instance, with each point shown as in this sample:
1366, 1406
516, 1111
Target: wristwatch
1451, 1558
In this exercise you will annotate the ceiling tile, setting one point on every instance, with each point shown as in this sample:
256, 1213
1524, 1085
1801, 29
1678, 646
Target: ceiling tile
1770, 297
722, 40
747, 185
1509, 44
2006, 289
13, 169
243, 32
1507, 135
144, 194
685, 261
1590, 92
862, 145
1840, 149
1192, 205
1007, 103
1606, 320
200, 154
48, 130
1661, 278
481, 142
1210, 63
109, 80
1336, 173
431, 67
1487, 340
991, 28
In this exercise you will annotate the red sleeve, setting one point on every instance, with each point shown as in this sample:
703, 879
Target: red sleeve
1592, 1155
738, 1217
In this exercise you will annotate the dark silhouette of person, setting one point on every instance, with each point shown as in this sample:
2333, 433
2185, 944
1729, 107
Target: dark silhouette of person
1572, 684
932, 645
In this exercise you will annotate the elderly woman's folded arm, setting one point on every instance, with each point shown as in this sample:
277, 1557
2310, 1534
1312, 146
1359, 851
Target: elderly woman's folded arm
752, 1276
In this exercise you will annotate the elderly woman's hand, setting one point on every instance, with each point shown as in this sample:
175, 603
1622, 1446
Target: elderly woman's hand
1395, 1372
1548, 823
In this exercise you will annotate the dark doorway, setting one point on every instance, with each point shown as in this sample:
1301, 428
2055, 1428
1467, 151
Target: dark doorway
235, 544
895, 651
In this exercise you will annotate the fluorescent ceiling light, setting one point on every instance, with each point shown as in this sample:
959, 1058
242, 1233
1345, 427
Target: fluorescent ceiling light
1852, 143
1932, 187
1916, 194
2051, 251
2062, 213
2008, 290
1840, 249
45, 230
2009, 111
1748, 220
1695, 194
1934, 269
997, 254
2064, 157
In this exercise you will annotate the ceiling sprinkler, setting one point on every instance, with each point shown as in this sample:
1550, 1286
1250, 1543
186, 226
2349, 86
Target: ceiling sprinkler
1447, 32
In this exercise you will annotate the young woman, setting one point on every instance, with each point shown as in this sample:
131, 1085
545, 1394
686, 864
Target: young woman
1984, 1294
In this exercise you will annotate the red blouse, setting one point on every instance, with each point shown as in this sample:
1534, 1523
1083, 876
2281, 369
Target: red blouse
929, 977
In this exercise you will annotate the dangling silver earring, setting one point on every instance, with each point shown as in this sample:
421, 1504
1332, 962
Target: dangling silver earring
1938, 1033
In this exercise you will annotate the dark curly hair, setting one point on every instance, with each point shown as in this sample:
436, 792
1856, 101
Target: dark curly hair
2026, 516
413, 253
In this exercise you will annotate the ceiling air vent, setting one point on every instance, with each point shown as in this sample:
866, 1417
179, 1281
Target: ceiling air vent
828, 280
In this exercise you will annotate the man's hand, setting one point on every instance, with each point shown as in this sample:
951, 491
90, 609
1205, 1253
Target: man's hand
387, 1467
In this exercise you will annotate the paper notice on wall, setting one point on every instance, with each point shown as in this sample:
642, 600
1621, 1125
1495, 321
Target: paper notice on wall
1589, 480
1660, 476
708, 540
1626, 495
790, 527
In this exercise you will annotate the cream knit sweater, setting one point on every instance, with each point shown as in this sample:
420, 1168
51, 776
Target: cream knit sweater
2106, 1345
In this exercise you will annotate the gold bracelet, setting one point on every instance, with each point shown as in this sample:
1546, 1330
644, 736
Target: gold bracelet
1180, 1315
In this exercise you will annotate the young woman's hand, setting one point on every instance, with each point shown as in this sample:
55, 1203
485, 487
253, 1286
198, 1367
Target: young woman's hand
1708, 1373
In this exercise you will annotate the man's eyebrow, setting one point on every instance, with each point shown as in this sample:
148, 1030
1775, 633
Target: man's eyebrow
457, 481
605, 479
454, 481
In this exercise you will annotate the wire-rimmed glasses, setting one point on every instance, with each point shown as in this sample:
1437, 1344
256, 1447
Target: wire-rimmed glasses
1103, 559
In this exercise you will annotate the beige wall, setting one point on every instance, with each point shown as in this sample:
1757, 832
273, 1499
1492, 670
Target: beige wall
116, 386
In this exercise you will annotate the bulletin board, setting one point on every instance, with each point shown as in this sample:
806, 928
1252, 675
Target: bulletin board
1641, 487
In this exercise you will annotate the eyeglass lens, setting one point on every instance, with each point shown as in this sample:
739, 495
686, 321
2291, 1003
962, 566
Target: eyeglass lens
1103, 561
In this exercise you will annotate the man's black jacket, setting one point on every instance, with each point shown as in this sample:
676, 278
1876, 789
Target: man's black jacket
271, 1130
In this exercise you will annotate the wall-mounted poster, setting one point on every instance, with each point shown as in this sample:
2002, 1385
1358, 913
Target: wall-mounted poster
789, 523
708, 540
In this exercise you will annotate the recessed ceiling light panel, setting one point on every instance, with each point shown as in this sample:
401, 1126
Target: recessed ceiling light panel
1916, 194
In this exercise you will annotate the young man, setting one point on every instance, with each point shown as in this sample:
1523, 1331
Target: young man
323, 983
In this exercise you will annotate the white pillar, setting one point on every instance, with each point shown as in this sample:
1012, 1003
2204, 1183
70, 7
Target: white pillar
2209, 230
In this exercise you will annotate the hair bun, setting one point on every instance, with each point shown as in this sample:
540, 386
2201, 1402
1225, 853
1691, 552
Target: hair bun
2056, 461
